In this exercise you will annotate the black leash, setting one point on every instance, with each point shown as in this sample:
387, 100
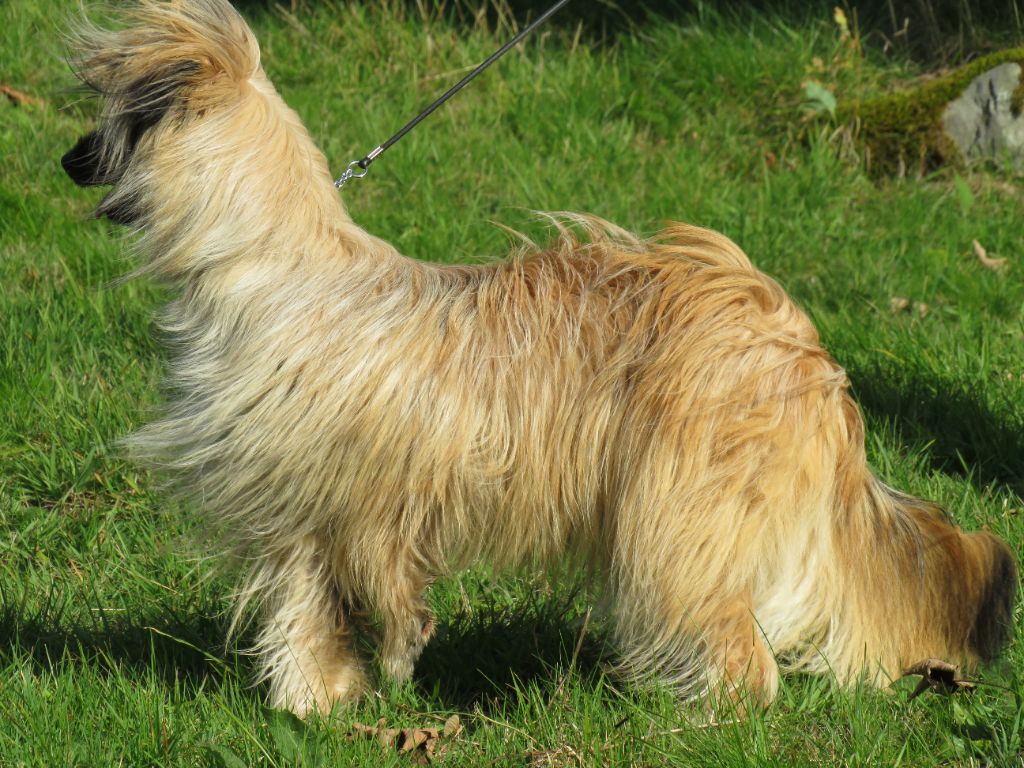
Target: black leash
364, 164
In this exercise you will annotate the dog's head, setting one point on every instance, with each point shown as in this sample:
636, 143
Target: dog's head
168, 65
969, 587
992, 620
103, 156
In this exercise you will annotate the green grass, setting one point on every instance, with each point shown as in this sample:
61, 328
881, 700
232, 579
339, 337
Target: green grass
112, 630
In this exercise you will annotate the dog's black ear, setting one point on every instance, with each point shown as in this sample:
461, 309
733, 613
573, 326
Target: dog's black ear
81, 163
149, 98
138, 108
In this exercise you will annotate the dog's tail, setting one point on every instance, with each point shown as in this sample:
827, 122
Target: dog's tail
158, 51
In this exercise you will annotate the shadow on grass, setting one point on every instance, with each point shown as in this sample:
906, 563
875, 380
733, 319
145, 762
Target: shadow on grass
596, 20
964, 434
186, 651
479, 657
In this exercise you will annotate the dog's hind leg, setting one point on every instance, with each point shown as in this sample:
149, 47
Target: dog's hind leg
305, 643
400, 609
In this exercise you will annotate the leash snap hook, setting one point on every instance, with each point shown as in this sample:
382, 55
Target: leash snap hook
351, 172
363, 164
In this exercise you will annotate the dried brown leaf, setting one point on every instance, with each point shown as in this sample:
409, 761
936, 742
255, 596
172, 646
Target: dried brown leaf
414, 738
987, 261
452, 727
16, 97
422, 745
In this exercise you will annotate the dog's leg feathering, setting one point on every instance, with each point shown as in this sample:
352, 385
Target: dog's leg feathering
305, 643
406, 623
713, 648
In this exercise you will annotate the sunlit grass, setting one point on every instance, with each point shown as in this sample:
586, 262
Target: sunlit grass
111, 630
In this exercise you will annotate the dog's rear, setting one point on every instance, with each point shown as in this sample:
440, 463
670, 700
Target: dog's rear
353, 422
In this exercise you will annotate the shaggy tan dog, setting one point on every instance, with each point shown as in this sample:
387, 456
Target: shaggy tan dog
355, 423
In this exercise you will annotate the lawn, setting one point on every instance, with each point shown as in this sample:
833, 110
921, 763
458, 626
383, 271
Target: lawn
112, 625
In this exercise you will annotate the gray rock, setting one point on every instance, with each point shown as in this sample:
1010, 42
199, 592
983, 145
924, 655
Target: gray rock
981, 122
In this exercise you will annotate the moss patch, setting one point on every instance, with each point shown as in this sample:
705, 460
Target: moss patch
902, 132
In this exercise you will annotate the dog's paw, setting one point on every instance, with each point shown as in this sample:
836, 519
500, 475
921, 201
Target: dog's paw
427, 629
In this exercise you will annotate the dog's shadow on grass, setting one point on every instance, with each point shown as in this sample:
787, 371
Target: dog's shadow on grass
187, 651
479, 656
482, 655
959, 432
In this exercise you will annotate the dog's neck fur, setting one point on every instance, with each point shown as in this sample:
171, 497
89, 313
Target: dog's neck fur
194, 223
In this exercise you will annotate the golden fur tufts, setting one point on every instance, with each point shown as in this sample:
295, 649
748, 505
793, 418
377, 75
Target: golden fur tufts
355, 423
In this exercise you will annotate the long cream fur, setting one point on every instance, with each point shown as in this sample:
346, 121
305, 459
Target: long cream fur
355, 424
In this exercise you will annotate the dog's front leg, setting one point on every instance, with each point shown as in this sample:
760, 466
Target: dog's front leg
741, 662
708, 646
305, 645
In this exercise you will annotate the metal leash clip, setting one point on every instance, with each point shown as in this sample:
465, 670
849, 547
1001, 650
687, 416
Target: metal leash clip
350, 173
364, 164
